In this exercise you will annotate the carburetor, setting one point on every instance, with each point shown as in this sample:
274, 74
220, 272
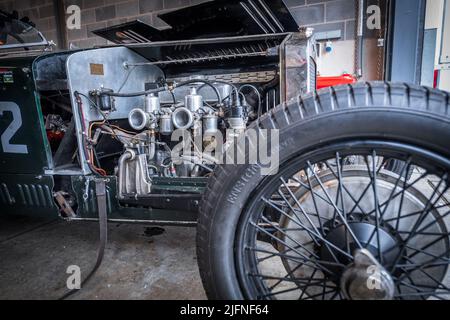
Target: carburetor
148, 152
164, 120
140, 119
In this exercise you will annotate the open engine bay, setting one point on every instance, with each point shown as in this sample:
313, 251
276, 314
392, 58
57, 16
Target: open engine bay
123, 104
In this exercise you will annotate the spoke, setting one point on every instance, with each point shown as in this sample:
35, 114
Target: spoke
423, 215
439, 284
366, 189
422, 250
415, 213
334, 296
373, 178
324, 287
420, 267
341, 185
422, 286
430, 263
279, 253
289, 274
414, 294
292, 239
306, 216
323, 294
310, 231
294, 211
311, 189
357, 202
412, 286
424, 267
273, 254
431, 234
405, 169
298, 259
319, 284
349, 230
360, 199
271, 294
303, 281
296, 251
315, 202
296, 229
432, 223
409, 186
399, 213
308, 284
298, 205
420, 219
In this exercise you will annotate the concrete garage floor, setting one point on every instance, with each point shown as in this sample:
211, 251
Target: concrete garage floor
140, 262
34, 255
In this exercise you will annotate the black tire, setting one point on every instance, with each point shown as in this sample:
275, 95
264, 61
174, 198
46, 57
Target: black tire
393, 112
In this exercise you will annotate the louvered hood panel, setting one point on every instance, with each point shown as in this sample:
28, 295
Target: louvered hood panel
213, 19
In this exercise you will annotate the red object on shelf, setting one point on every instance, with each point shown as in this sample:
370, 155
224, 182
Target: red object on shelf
325, 82
436, 79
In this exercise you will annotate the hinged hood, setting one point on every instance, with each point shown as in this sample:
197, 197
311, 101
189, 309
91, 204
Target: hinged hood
214, 19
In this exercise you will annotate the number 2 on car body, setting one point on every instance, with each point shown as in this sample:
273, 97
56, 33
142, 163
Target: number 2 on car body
11, 130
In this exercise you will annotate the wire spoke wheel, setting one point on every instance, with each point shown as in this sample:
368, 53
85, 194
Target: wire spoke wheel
336, 224
358, 209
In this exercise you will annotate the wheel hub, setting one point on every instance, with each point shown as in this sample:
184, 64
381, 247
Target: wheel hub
371, 239
366, 276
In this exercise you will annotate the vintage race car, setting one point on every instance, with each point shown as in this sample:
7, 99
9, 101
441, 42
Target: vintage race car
166, 127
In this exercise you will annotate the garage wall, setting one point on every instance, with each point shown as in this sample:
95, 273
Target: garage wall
323, 15
39, 11
438, 15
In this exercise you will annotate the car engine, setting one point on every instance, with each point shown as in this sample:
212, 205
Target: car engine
196, 110
150, 115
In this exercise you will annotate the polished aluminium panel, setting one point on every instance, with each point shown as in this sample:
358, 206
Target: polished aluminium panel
297, 56
105, 67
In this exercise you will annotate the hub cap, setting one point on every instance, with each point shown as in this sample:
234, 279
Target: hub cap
366, 279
